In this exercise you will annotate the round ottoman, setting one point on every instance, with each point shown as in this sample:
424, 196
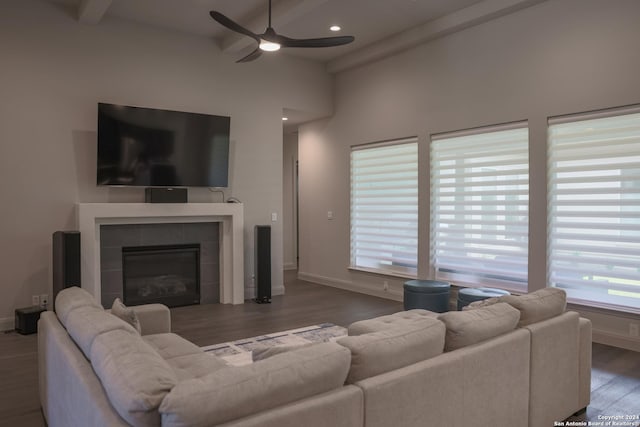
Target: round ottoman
468, 295
429, 295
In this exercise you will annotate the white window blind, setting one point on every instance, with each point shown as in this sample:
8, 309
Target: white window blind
384, 207
594, 209
480, 206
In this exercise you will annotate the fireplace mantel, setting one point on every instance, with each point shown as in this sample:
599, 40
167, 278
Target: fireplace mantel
92, 215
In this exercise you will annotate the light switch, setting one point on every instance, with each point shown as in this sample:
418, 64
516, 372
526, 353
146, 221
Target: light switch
274, 216
329, 214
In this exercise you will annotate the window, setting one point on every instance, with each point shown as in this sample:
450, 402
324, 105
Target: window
384, 207
480, 206
594, 208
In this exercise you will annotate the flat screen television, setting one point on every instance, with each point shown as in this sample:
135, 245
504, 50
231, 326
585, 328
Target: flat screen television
160, 148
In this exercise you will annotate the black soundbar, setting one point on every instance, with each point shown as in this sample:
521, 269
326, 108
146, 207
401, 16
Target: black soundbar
165, 195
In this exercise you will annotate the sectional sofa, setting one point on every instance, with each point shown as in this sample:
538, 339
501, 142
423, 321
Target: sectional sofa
519, 361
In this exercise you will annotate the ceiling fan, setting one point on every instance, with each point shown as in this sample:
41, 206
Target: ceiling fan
272, 41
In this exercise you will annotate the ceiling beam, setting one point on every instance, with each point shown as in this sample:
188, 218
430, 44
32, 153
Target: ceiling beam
282, 12
92, 11
464, 18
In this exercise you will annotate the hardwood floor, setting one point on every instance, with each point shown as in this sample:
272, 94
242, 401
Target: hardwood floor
304, 304
615, 375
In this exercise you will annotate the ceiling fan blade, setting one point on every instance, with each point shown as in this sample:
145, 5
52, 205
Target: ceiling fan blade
252, 56
321, 42
233, 26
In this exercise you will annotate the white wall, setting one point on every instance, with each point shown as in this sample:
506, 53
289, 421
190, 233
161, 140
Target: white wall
54, 72
289, 233
554, 58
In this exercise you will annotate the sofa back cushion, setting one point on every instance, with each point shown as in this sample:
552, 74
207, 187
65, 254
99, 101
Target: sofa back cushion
134, 376
390, 321
539, 305
70, 299
473, 326
383, 351
86, 323
234, 392
481, 303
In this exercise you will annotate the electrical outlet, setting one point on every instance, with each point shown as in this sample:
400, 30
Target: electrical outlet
44, 300
35, 300
634, 330
385, 286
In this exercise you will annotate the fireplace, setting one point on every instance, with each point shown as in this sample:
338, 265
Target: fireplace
107, 227
118, 240
166, 274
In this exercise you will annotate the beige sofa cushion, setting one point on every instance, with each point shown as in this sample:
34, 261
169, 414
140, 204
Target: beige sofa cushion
472, 326
86, 323
125, 313
71, 298
171, 345
383, 351
133, 374
539, 305
187, 360
390, 321
235, 392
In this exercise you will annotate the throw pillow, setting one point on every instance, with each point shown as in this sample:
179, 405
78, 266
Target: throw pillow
125, 313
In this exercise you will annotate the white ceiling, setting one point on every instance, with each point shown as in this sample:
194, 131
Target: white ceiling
368, 20
380, 27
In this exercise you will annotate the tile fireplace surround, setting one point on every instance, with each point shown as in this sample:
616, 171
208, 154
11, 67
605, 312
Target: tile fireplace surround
231, 216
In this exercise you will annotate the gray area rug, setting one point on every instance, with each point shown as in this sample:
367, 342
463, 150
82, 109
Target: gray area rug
238, 353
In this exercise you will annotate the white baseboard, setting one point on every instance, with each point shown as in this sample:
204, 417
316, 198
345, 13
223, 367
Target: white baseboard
616, 340
351, 286
277, 290
7, 324
290, 266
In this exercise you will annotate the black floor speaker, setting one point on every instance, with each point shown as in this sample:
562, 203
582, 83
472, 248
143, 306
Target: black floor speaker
263, 264
66, 261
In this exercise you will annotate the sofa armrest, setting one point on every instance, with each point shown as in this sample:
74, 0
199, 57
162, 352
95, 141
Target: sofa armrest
154, 318
584, 365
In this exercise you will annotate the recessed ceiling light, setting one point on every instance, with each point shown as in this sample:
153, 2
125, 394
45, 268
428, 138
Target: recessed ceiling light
335, 28
284, 119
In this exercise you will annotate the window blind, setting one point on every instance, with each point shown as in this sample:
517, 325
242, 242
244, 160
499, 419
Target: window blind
480, 206
594, 209
384, 207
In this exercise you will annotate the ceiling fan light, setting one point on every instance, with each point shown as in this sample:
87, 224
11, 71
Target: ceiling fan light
268, 46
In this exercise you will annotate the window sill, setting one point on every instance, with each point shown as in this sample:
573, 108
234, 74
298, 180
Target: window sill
383, 272
602, 308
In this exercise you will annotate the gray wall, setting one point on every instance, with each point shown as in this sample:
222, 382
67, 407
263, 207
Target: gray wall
557, 57
54, 72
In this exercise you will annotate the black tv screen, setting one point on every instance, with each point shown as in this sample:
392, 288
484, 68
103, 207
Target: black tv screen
161, 148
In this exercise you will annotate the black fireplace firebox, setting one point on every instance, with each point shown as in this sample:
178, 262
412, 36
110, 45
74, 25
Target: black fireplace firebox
167, 274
